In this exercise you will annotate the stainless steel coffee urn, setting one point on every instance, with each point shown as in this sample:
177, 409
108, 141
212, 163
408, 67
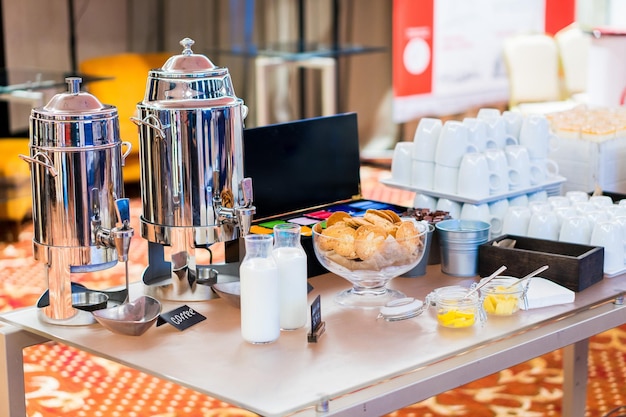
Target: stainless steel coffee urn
80, 216
193, 190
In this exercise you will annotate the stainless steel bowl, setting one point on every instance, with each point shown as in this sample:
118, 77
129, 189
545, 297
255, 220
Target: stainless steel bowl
229, 291
133, 318
89, 300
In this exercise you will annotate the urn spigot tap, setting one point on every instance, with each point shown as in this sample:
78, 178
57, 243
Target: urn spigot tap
122, 234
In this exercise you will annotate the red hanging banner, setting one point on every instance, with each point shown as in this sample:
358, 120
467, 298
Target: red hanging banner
412, 46
559, 14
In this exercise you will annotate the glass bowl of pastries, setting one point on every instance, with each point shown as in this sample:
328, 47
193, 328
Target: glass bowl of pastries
369, 251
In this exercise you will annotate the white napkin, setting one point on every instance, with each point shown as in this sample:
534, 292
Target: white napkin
543, 293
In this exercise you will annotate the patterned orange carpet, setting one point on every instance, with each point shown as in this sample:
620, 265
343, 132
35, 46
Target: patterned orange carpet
64, 381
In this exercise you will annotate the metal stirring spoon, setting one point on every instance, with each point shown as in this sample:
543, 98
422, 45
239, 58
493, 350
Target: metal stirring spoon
532, 274
485, 281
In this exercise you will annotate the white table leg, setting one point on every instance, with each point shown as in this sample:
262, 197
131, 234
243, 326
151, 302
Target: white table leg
12, 343
575, 374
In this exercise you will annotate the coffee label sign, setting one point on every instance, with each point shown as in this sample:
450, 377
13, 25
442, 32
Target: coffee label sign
317, 325
182, 317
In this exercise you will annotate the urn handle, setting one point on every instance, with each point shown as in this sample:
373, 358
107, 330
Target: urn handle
47, 162
156, 124
129, 147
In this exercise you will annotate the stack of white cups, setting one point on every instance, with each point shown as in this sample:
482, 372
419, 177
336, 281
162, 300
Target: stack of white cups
574, 218
423, 155
477, 158
452, 146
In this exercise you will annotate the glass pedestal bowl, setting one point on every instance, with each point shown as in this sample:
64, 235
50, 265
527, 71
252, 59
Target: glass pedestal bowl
369, 260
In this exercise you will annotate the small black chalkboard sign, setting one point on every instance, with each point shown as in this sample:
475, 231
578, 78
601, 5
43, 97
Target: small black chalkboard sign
181, 318
317, 325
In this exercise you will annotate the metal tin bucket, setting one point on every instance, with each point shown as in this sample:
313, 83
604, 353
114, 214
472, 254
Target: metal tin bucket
459, 241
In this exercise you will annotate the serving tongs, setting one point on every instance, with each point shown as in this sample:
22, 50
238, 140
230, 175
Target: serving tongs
485, 281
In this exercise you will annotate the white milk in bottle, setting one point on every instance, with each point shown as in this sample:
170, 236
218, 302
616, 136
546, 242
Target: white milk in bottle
258, 274
292, 271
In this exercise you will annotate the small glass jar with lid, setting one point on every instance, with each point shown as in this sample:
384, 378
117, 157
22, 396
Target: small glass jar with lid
502, 296
455, 308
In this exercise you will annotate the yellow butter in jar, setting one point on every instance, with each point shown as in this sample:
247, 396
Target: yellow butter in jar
501, 297
454, 309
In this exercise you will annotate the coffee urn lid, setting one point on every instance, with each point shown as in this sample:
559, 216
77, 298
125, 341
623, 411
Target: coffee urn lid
189, 80
74, 104
74, 119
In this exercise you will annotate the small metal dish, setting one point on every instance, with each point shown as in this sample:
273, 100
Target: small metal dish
133, 318
89, 300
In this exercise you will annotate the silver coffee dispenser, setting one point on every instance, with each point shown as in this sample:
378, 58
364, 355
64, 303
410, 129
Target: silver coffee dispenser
80, 216
193, 191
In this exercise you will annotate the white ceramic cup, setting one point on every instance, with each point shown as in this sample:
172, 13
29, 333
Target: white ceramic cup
601, 201
424, 201
535, 135
423, 174
446, 179
513, 122
563, 213
497, 137
480, 212
541, 195
453, 144
597, 216
498, 210
576, 196
616, 210
542, 170
559, 201
519, 161
498, 163
488, 113
621, 220
516, 220
608, 234
543, 225
539, 206
451, 206
575, 229
476, 180
584, 207
477, 132
519, 200
402, 163
426, 138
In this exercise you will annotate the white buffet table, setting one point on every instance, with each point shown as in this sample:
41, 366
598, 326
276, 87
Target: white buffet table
362, 365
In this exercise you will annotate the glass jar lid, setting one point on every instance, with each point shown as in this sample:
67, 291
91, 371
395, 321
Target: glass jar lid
402, 309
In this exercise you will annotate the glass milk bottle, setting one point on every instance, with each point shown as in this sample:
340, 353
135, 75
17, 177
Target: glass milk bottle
291, 260
258, 274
